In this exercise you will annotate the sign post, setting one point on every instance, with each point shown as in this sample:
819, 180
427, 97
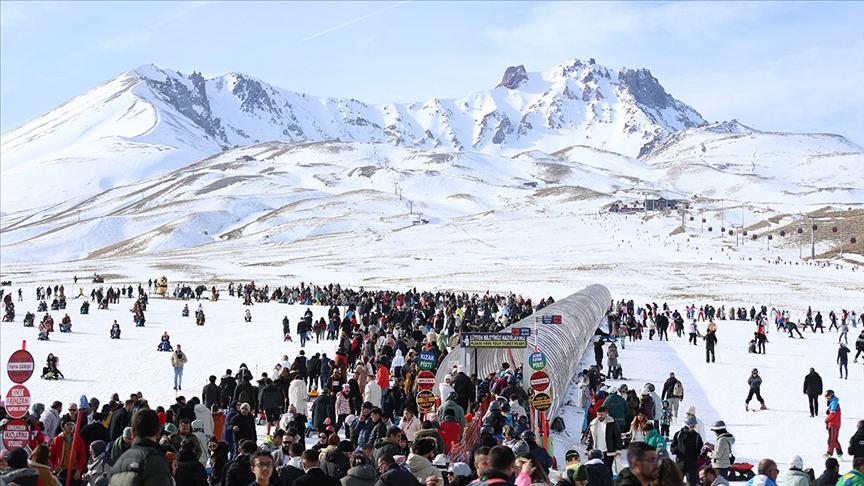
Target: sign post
426, 380
20, 368
16, 435
18, 401
426, 361
425, 400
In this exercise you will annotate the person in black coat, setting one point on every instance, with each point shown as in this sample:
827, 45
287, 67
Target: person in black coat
95, 431
831, 474
218, 461
313, 368
464, 389
245, 393
288, 473
211, 393
120, 420
856, 443
335, 463
238, 472
598, 473
243, 425
710, 342
687, 445
314, 475
227, 385
813, 390
392, 474
190, 471
187, 411
322, 409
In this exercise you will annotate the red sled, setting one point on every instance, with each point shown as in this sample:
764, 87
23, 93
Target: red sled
742, 471
288, 338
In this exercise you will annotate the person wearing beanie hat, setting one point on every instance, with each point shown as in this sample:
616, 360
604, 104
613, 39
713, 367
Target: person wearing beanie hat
700, 427
449, 404
646, 403
99, 464
832, 420
687, 445
459, 473
796, 475
18, 472
445, 388
598, 473
420, 461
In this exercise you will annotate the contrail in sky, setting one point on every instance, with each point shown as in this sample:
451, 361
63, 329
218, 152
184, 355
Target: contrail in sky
331, 29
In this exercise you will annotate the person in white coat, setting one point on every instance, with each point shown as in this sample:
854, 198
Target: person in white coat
51, 419
658, 404
446, 387
372, 393
297, 395
203, 414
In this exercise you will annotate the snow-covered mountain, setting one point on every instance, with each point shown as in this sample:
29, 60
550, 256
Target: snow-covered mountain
149, 121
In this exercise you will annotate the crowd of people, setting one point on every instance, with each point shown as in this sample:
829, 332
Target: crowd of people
361, 405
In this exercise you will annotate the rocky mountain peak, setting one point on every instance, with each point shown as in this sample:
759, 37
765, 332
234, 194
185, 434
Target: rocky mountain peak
513, 77
644, 87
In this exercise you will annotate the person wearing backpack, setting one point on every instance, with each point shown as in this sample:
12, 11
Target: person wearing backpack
144, 462
673, 390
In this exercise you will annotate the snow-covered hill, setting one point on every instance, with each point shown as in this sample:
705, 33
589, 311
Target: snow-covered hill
280, 192
821, 161
149, 121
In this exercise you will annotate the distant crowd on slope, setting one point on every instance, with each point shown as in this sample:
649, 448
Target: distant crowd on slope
368, 393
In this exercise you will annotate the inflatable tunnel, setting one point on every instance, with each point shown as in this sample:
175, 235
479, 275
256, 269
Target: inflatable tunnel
563, 344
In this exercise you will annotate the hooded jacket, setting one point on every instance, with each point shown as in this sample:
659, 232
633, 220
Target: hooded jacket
796, 477
422, 468
721, 456
203, 415
335, 464
362, 475
297, 396
190, 471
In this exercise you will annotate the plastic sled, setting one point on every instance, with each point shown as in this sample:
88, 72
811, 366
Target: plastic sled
742, 471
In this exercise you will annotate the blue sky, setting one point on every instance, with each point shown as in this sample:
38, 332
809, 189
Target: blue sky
775, 66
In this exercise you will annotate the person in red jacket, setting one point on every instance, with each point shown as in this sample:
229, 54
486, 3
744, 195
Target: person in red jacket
66, 454
833, 421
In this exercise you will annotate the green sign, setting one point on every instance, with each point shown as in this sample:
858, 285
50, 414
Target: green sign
537, 361
426, 360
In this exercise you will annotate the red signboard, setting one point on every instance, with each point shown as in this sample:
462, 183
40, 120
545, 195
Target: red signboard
20, 366
17, 401
539, 381
426, 380
16, 435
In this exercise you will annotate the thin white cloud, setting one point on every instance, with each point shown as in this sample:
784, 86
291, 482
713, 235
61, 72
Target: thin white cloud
12, 15
140, 37
358, 19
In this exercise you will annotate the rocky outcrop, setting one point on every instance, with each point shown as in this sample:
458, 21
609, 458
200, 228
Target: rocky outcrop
513, 77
